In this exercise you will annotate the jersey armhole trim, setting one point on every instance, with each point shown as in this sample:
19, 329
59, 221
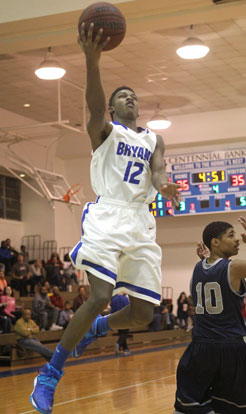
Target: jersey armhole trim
105, 142
230, 285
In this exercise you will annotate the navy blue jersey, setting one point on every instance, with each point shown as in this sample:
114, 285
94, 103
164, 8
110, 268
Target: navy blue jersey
217, 305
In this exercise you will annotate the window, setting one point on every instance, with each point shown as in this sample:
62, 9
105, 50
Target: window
10, 198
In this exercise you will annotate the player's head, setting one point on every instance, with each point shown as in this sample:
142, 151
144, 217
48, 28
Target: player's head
123, 103
220, 238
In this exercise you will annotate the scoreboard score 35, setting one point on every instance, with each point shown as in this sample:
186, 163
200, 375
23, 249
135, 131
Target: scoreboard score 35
213, 182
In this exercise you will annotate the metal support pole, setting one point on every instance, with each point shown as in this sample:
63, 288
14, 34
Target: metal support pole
72, 84
59, 99
83, 101
71, 128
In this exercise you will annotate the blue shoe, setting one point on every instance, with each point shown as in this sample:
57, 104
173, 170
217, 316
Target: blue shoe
89, 337
45, 383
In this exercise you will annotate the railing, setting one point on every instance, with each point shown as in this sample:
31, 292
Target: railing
167, 292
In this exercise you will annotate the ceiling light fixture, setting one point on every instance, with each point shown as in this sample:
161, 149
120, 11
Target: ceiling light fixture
159, 120
192, 48
50, 68
27, 105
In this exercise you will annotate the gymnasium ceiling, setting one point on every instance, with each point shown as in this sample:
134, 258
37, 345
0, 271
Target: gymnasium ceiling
146, 61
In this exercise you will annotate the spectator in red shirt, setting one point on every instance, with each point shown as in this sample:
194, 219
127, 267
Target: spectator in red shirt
50, 260
80, 299
56, 298
54, 273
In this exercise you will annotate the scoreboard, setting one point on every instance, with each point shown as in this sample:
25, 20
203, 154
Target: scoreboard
213, 182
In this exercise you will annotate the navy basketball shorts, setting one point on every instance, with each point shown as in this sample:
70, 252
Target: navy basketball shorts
211, 378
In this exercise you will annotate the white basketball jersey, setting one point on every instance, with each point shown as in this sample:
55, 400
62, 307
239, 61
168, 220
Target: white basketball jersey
120, 167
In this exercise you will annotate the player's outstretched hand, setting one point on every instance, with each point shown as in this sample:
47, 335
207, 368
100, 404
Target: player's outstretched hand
242, 220
202, 250
172, 193
91, 48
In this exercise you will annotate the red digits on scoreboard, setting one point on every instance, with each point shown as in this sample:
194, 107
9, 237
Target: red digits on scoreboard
184, 183
237, 179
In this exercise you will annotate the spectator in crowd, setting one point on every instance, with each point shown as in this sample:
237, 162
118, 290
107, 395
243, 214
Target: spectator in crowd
11, 310
24, 253
70, 271
48, 287
13, 252
38, 272
27, 330
156, 323
22, 277
182, 313
5, 256
3, 281
169, 319
119, 302
5, 322
50, 260
43, 311
54, 272
166, 318
80, 299
56, 298
63, 285
65, 315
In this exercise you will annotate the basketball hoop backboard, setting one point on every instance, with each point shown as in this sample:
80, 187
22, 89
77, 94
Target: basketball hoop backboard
55, 186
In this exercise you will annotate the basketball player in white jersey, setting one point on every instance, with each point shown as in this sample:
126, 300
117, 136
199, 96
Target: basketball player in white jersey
117, 248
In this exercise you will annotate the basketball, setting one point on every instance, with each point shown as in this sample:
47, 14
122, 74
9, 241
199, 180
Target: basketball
109, 18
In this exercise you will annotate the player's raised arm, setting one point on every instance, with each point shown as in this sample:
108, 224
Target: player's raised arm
238, 267
202, 250
242, 220
160, 177
98, 127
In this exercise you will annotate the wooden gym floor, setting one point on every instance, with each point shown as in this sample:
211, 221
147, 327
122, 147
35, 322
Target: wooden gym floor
143, 383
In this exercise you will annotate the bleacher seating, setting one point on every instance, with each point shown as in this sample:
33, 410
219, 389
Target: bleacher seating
104, 345
138, 339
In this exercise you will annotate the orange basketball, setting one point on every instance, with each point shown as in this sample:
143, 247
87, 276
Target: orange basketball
109, 18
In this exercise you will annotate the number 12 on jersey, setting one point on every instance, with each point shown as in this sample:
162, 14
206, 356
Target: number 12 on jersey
131, 173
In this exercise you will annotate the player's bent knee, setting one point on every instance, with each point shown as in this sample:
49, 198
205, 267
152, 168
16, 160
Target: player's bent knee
144, 320
143, 317
100, 302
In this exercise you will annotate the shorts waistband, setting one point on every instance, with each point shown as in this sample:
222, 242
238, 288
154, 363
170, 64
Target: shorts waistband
228, 340
122, 203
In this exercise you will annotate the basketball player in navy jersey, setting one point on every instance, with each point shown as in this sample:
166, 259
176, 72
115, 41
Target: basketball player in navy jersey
117, 248
211, 375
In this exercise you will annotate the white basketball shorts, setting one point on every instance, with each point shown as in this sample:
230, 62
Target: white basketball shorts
118, 245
